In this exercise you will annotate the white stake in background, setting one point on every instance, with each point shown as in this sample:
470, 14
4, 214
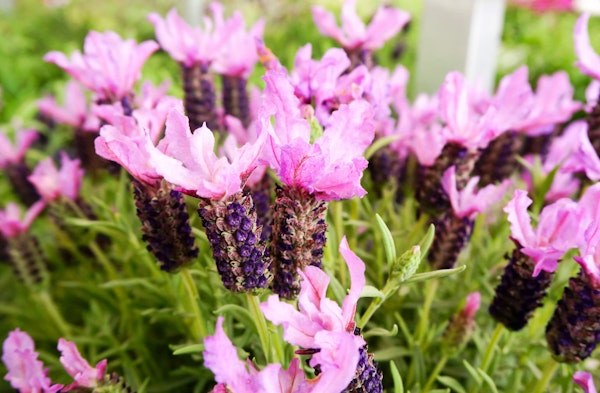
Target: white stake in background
459, 35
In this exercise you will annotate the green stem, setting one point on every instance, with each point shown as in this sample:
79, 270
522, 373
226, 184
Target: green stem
338, 223
375, 304
549, 370
52, 310
435, 373
489, 352
261, 327
198, 326
430, 290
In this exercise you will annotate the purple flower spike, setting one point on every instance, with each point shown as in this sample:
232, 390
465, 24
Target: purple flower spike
25, 372
585, 380
109, 66
461, 326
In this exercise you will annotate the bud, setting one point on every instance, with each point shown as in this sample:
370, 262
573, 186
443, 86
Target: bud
461, 326
452, 233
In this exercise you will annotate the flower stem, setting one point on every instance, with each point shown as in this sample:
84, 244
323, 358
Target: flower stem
338, 221
430, 290
375, 304
549, 370
440, 365
52, 310
261, 327
198, 326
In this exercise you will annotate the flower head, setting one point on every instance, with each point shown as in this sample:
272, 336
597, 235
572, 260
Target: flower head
52, 183
11, 224
331, 167
109, 66
11, 154
188, 160
558, 225
353, 33
75, 110
588, 60
468, 202
186, 44
316, 312
25, 372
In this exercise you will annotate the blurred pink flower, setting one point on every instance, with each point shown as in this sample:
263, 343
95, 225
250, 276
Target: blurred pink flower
337, 361
11, 224
472, 305
585, 380
25, 372
186, 44
588, 60
188, 160
542, 6
459, 109
589, 245
332, 165
316, 312
85, 376
559, 226
75, 111
52, 183
469, 201
13, 153
109, 66
353, 34
236, 55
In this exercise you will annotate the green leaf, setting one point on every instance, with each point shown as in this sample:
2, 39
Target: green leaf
398, 385
388, 241
488, 380
187, 349
381, 332
474, 373
427, 240
436, 274
371, 291
451, 383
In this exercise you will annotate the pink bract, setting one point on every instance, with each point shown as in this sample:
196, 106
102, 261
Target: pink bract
52, 183
85, 376
25, 372
13, 153
353, 34
588, 60
188, 160
75, 111
109, 66
11, 224
585, 380
469, 201
559, 226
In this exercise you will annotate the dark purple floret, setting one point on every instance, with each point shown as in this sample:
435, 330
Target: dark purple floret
235, 99
199, 97
429, 192
451, 235
263, 201
574, 329
231, 227
519, 293
387, 169
498, 161
17, 174
298, 237
166, 225
593, 120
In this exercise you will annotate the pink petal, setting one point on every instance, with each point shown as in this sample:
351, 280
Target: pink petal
78, 367
386, 23
585, 380
520, 222
589, 61
357, 276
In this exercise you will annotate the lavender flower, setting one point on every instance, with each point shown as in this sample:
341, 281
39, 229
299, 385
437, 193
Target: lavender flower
461, 326
12, 161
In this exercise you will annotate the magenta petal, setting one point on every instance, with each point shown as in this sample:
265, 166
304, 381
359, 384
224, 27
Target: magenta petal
585, 380
386, 23
357, 276
589, 61
78, 367
520, 222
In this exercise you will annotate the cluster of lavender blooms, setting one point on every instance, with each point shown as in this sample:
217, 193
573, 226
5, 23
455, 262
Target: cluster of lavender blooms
307, 131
